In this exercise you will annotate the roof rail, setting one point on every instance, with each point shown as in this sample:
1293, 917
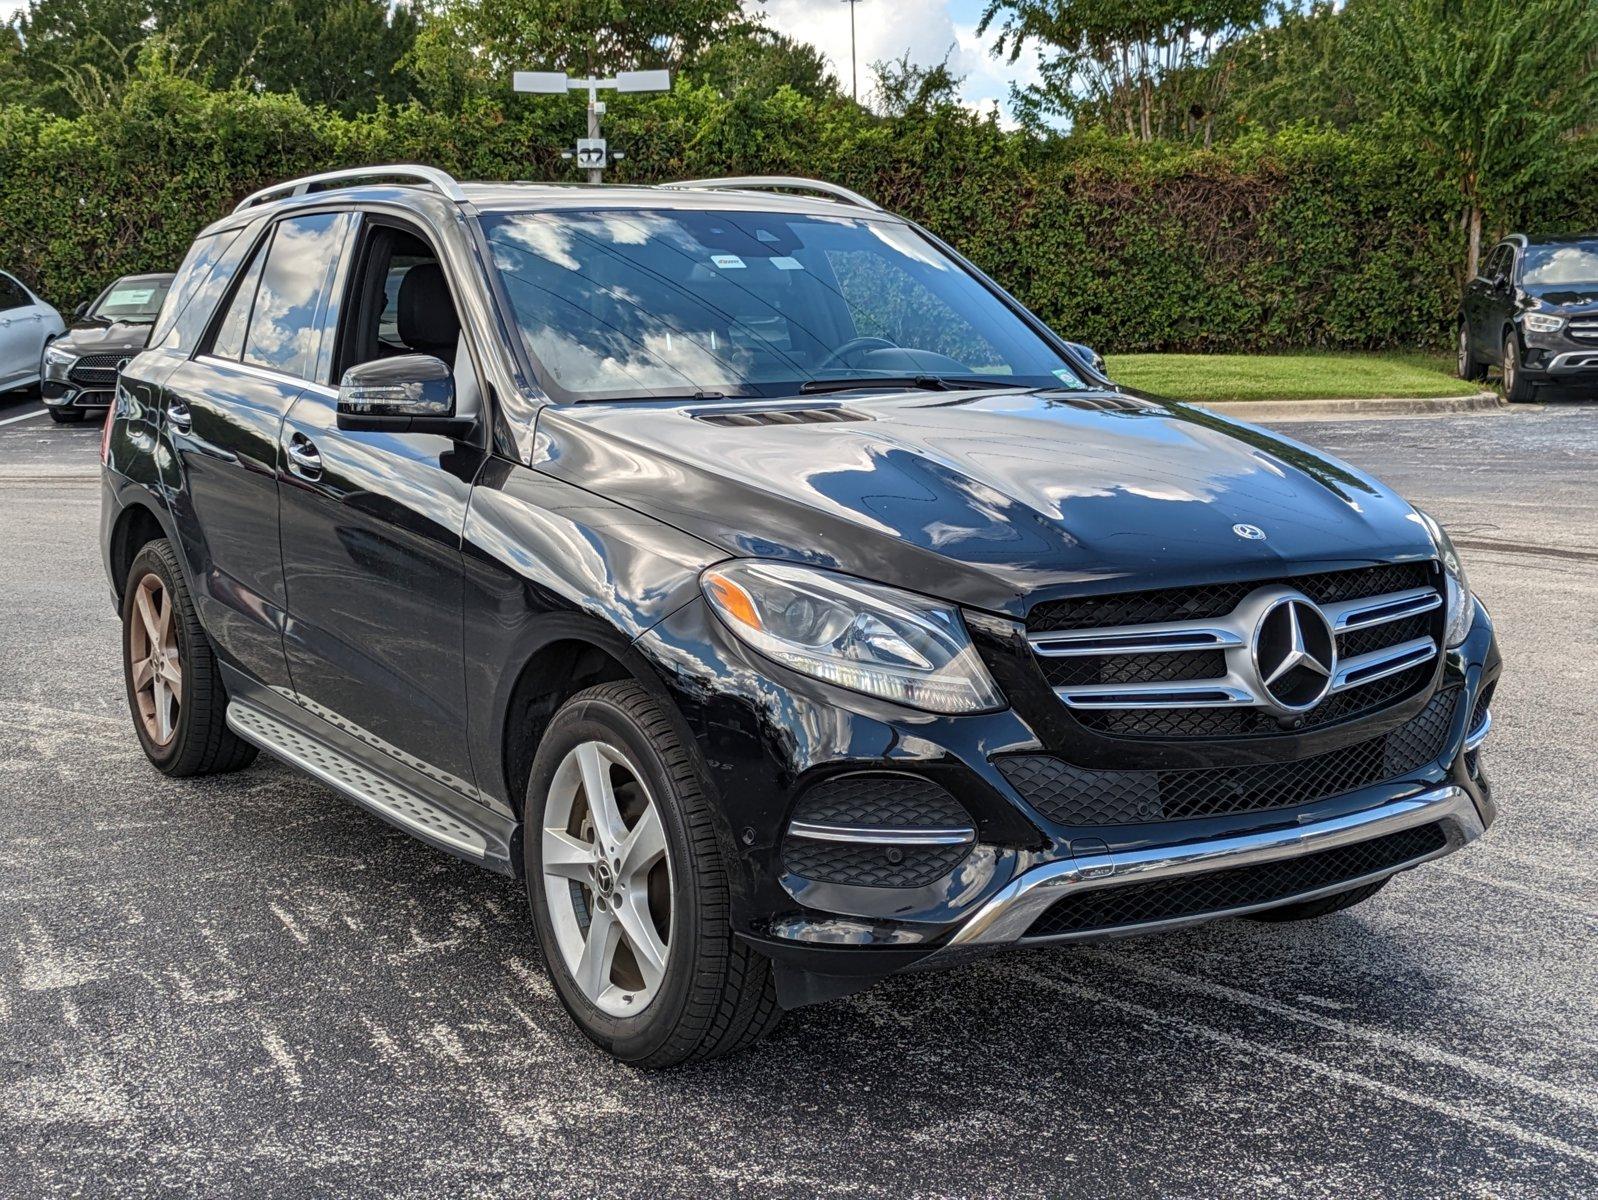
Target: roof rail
443, 181
792, 183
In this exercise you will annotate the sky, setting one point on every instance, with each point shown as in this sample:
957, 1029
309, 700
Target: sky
885, 29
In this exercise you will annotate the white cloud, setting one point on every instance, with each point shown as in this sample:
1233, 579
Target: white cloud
926, 30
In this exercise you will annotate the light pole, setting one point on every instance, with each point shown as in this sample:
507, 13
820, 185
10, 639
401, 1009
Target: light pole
854, 68
591, 153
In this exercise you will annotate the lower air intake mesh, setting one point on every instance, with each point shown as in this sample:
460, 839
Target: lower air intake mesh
1237, 887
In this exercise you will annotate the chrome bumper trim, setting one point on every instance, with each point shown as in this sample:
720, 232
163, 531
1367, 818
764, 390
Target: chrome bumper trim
881, 836
1477, 736
1011, 912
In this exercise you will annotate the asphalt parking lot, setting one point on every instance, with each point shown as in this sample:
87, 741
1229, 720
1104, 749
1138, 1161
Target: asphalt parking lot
247, 986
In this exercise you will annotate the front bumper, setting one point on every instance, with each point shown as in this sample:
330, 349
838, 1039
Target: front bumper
771, 739
57, 394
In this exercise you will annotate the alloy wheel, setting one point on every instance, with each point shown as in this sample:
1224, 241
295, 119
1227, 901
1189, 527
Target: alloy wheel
607, 878
1511, 366
155, 662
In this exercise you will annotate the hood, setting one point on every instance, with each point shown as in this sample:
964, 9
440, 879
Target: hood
93, 336
992, 499
1566, 295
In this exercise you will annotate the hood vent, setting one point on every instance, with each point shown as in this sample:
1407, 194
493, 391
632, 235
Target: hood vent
1102, 402
781, 416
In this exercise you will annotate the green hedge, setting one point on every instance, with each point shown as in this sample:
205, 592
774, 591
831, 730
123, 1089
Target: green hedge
1302, 239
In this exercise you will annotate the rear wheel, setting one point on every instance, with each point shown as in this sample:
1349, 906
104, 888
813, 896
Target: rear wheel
1517, 388
1309, 909
174, 688
629, 888
1469, 366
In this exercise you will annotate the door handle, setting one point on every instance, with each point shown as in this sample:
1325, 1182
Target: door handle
304, 458
180, 417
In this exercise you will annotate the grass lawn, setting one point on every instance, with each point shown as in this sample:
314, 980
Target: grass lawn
1310, 376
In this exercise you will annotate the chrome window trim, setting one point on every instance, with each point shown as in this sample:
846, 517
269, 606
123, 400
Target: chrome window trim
266, 373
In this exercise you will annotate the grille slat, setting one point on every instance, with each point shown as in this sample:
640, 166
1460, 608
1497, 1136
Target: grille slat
877, 801
1077, 796
1234, 888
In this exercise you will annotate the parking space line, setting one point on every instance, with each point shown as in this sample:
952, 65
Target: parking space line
1300, 1062
1486, 1072
38, 412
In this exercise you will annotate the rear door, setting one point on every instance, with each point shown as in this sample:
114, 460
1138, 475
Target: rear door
371, 527
20, 334
223, 415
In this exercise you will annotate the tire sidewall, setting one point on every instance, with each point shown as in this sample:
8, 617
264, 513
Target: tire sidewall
630, 1039
150, 561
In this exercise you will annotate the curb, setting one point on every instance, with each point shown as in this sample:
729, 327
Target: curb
1331, 410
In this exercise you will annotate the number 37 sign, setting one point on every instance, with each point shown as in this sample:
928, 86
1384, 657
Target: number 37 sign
591, 152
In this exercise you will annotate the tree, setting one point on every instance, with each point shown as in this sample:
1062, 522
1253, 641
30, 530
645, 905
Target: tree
1109, 57
1495, 92
67, 49
754, 64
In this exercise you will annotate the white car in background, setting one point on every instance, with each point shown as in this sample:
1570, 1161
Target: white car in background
27, 326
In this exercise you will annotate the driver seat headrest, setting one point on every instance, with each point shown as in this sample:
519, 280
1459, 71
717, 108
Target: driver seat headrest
426, 314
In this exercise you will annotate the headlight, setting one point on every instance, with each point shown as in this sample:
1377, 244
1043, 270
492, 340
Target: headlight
1461, 603
1542, 322
57, 359
858, 635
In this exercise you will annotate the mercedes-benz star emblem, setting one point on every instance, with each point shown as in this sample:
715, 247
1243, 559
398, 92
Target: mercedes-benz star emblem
1295, 653
122, 364
1249, 533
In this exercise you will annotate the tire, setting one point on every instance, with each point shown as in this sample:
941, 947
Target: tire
1517, 388
183, 734
714, 995
1308, 910
1469, 366
66, 416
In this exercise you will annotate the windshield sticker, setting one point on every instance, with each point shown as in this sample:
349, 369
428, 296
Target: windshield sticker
787, 264
1069, 380
765, 235
727, 262
126, 296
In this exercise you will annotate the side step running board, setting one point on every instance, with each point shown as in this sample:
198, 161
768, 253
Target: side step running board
378, 793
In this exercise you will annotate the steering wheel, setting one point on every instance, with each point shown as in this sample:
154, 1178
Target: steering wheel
853, 344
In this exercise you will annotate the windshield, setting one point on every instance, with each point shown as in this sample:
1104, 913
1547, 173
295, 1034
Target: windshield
618, 304
131, 300
1553, 268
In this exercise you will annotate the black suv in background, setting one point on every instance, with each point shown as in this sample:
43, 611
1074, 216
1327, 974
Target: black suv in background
79, 368
1533, 311
771, 592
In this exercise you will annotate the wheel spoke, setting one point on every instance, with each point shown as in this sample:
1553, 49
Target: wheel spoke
567, 856
173, 674
163, 618
163, 711
599, 954
152, 627
632, 911
602, 807
644, 846
143, 672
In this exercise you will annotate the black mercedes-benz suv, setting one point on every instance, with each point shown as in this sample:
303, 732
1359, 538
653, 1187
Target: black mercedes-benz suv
745, 571
1533, 311
79, 369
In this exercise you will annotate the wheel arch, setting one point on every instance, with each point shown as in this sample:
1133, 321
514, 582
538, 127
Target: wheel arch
137, 525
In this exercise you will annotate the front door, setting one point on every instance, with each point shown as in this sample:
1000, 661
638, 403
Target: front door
20, 333
371, 530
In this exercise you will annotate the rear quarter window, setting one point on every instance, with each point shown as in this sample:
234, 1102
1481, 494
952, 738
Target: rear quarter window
199, 284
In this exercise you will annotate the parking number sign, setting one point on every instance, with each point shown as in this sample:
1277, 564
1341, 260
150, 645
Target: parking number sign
591, 152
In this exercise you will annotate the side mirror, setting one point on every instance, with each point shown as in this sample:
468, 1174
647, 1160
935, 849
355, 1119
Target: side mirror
411, 393
1091, 356
78, 312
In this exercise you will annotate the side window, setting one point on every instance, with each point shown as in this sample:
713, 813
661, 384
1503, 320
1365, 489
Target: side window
229, 340
192, 293
285, 324
1498, 264
12, 294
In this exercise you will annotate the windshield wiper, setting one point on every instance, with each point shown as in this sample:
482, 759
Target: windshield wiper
925, 383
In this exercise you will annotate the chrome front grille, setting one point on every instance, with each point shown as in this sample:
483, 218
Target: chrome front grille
1584, 327
1195, 672
96, 369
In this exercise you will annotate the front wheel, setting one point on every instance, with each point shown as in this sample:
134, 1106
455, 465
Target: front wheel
629, 887
1517, 388
1469, 366
174, 688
